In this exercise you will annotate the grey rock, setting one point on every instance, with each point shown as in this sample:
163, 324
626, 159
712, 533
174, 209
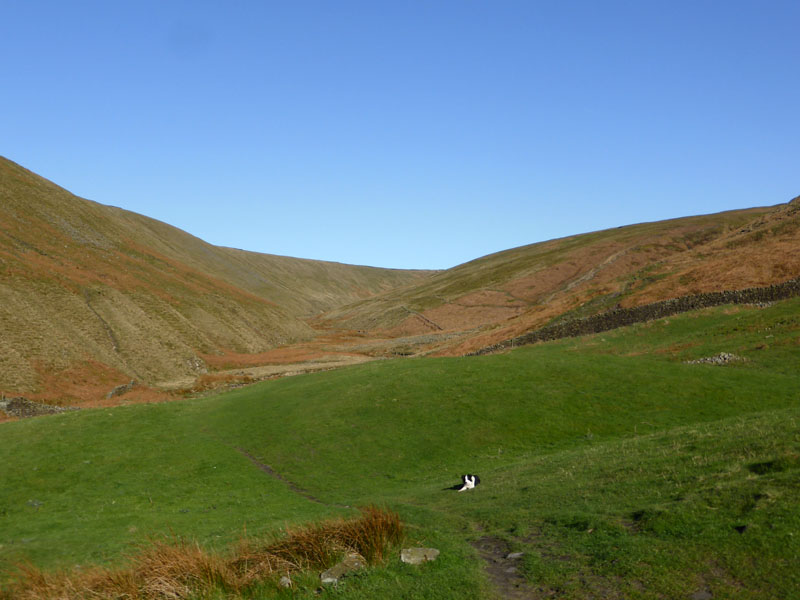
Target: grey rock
285, 581
701, 595
514, 555
723, 358
121, 389
352, 562
417, 556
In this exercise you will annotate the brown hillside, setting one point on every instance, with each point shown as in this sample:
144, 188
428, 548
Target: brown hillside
92, 296
509, 293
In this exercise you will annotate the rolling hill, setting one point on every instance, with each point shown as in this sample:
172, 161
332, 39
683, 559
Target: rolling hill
508, 293
92, 296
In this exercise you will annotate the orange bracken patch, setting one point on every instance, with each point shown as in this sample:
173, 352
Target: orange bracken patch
79, 383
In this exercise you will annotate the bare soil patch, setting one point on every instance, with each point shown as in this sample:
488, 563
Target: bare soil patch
503, 571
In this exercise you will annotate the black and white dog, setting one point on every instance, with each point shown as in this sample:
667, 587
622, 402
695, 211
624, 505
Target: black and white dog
468, 482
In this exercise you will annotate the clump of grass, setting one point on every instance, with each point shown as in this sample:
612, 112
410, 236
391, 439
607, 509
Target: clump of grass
181, 569
371, 536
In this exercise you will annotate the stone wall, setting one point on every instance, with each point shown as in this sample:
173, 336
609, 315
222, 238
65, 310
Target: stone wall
620, 317
23, 408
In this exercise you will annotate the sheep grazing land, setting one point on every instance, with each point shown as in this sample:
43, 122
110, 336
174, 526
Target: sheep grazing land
610, 467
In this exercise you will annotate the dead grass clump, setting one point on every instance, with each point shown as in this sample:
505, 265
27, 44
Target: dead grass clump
371, 536
35, 584
179, 569
252, 566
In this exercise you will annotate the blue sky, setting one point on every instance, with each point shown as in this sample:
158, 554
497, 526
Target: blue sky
405, 134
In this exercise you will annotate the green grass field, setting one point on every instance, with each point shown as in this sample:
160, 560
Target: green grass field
618, 470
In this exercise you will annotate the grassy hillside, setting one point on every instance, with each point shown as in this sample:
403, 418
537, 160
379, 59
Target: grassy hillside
505, 294
612, 465
92, 296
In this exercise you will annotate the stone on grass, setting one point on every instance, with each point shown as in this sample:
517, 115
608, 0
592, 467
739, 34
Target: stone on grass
352, 562
723, 358
417, 556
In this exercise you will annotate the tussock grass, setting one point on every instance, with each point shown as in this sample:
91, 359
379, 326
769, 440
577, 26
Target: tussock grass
370, 536
181, 569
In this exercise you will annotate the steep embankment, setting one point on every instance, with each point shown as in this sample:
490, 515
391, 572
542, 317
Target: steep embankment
509, 293
92, 295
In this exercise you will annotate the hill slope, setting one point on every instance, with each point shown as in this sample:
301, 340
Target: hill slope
92, 296
505, 294
615, 468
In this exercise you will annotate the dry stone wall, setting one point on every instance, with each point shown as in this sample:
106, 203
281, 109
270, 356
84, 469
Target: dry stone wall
22, 408
620, 317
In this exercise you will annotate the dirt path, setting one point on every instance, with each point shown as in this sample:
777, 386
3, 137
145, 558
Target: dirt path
423, 318
503, 570
268, 470
261, 372
290, 484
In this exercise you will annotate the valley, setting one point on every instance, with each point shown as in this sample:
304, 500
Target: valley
85, 308
213, 404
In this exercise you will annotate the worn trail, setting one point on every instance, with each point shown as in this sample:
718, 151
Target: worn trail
503, 570
290, 484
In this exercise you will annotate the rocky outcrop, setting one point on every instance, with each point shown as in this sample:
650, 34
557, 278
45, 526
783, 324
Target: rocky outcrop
621, 317
723, 358
121, 389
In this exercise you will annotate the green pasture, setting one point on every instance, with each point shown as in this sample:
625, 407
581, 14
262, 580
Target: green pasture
617, 469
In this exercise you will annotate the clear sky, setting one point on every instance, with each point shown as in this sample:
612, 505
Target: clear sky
409, 134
